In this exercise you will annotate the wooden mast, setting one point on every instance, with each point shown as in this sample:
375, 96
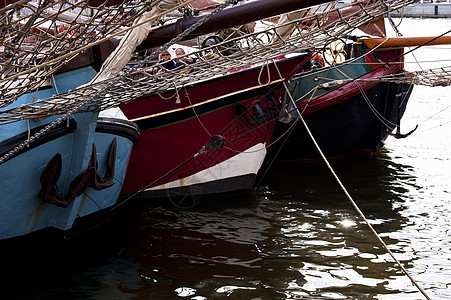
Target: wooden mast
406, 41
231, 17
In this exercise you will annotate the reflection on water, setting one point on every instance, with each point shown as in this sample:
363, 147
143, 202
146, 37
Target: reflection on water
297, 237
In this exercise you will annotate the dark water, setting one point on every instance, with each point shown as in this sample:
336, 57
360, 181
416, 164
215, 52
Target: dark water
297, 237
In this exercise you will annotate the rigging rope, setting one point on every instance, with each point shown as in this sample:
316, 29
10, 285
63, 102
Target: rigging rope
49, 39
350, 198
97, 93
136, 82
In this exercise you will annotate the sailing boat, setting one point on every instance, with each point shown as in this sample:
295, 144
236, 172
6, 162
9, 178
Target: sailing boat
237, 83
58, 164
206, 126
345, 108
214, 135
354, 106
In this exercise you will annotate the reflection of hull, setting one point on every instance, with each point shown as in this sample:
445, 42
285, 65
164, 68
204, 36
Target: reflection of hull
62, 176
169, 155
348, 118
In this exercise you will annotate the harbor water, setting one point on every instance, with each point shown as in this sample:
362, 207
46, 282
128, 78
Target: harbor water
297, 237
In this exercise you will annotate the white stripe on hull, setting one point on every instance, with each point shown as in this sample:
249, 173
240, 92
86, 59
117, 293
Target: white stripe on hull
244, 163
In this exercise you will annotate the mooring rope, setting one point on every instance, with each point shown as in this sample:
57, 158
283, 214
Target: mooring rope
349, 196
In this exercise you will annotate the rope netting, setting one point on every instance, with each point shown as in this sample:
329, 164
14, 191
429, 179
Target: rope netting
38, 37
430, 77
313, 29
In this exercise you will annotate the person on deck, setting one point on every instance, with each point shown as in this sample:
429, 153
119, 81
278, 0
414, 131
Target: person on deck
170, 64
180, 52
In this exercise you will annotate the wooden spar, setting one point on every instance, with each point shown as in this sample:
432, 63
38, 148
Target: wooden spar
96, 3
406, 41
231, 17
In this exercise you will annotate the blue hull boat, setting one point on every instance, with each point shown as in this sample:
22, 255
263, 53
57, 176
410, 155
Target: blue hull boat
74, 170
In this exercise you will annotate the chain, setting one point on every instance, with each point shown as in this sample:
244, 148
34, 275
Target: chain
91, 98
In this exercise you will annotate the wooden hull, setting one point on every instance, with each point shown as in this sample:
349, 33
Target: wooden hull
36, 182
356, 116
168, 156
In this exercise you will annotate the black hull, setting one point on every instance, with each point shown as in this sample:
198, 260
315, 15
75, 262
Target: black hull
243, 183
188, 197
345, 128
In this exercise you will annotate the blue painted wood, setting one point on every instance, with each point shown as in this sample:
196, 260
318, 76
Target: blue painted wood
22, 209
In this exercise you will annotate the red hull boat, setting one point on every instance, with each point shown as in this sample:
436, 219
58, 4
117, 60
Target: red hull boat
351, 110
210, 136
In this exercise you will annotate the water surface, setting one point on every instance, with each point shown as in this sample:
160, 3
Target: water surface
297, 237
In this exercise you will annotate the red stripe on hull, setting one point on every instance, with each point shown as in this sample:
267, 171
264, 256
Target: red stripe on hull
169, 146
